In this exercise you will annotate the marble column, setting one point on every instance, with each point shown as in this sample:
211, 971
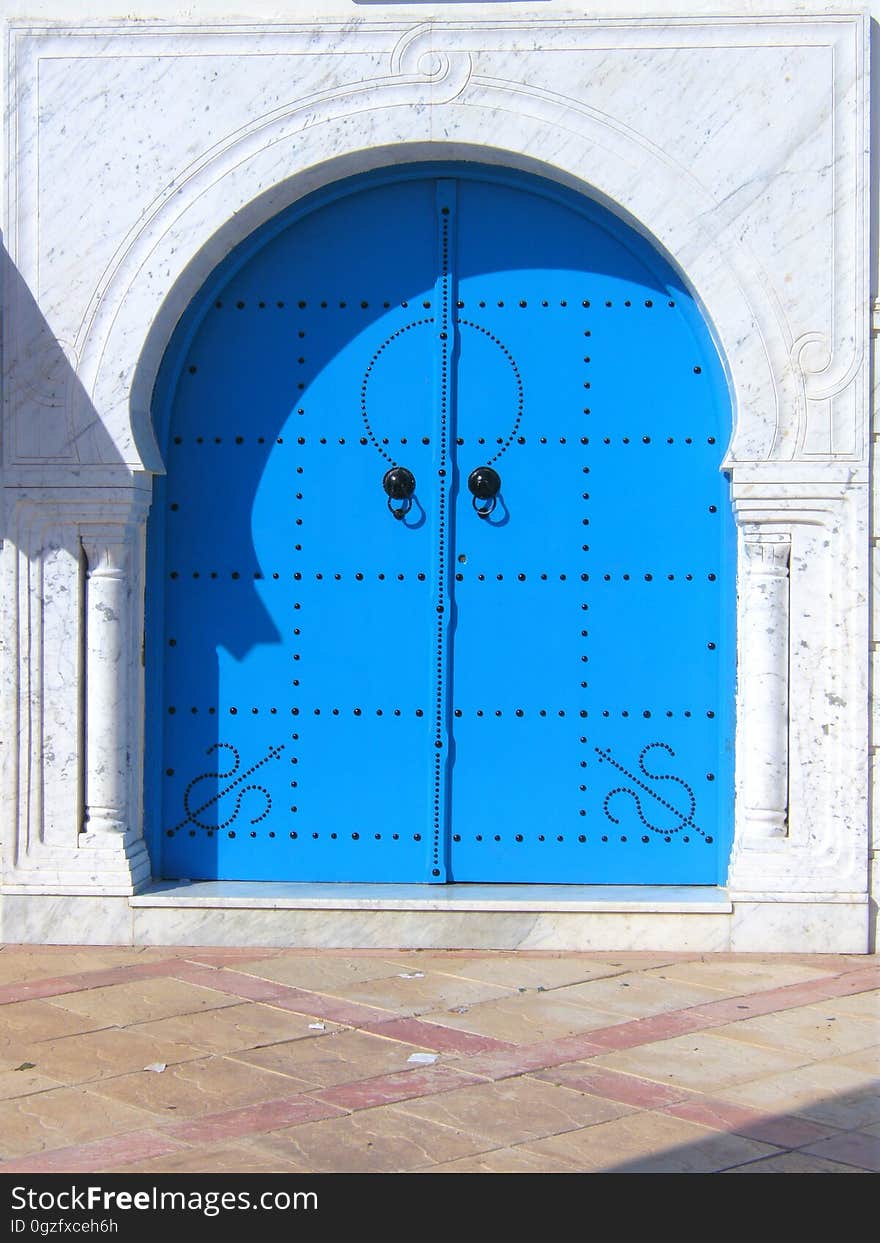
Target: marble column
108, 662
764, 693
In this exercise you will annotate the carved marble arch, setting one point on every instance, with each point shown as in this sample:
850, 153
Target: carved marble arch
754, 439
192, 229
164, 263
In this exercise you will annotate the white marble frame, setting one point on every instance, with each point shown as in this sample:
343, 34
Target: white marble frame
77, 491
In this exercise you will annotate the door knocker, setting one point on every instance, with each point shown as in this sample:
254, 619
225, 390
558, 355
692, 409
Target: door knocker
484, 484
399, 484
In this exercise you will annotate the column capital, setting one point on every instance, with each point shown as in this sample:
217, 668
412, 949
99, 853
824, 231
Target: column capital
107, 550
768, 552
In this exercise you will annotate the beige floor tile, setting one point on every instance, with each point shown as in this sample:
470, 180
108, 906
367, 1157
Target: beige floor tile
515, 972
794, 1163
636, 960
321, 974
233, 1028
39, 1020
526, 1018
418, 995
649, 1142
238, 1158
448, 962
750, 975
865, 1060
142, 1001
14, 1051
859, 1005
18, 964
809, 1030
504, 1161
514, 1110
340, 1057
14, 1083
192, 1089
637, 996
828, 1092
703, 1061
105, 1053
62, 1118
372, 1140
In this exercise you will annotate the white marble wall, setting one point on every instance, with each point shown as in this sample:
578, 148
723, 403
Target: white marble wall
139, 153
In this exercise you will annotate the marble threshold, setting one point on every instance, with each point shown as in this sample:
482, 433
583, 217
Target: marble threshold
269, 895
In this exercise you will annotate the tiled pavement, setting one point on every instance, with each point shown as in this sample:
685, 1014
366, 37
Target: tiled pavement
300, 1061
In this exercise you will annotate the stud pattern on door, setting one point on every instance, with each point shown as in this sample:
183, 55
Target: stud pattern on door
442, 567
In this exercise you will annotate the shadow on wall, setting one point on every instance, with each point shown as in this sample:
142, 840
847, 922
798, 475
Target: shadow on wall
52, 433
59, 469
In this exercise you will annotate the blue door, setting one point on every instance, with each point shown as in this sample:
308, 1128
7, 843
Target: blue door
442, 567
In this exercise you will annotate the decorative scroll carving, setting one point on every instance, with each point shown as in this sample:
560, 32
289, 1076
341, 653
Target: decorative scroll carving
447, 70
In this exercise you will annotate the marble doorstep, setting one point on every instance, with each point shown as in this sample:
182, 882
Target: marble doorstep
472, 917
637, 899
613, 919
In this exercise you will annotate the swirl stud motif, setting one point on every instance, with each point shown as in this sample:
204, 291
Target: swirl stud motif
674, 820
193, 814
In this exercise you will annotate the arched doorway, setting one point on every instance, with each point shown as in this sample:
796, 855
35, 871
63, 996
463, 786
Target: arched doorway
442, 569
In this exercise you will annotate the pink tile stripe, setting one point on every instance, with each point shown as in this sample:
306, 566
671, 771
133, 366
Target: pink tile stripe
334, 1009
646, 1031
282, 996
859, 980
613, 1085
253, 1119
435, 1036
786, 1131
221, 957
401, 1086
658, 1027
55, 986
226, 980
504, 1064
98, 1155
789, 997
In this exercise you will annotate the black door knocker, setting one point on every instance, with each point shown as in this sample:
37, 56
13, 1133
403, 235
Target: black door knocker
399, 484
484, 484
